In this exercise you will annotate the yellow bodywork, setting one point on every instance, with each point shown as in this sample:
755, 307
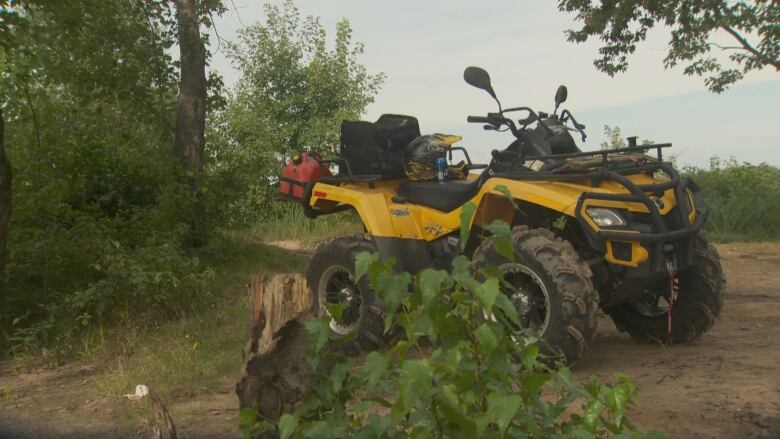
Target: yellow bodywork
385, 218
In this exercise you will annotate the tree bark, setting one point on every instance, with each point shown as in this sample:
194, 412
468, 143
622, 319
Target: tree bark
5, 206
189, 139
276, 374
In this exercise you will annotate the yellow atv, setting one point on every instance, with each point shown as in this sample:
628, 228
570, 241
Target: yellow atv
616, 229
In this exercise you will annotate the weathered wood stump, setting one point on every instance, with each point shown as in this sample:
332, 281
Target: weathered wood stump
276, 375
159, 424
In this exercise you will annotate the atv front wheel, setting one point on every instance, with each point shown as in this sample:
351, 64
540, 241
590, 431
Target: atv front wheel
331, 279
550, 286
699, 301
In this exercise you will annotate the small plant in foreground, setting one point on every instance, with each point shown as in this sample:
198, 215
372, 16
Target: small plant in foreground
465, 369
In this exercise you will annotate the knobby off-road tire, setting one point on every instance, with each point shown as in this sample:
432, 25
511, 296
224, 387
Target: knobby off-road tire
699, 302
541, 256
331, 278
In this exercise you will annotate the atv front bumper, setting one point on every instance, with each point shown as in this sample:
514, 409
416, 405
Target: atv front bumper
648, 240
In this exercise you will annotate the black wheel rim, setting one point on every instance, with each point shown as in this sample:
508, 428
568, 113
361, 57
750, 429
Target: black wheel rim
338, 287
528, 294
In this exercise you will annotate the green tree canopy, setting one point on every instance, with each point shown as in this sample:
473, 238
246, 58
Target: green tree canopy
295, 87
294, 90
753, 26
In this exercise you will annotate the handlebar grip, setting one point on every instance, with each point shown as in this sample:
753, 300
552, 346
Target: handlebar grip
480, 119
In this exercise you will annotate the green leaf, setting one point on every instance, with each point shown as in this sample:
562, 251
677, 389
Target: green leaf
431, 284
455, 413
486, 339
392, 288
325, 430
414, 384
318, 335
619, 397
374, 368
466, 214
532, 381
501, 237
502, 408
339, 374
334, 309
530, 357
247, 417
508, 309
251, 424
487, 293
363, 262
287, 425
591, 414
461, 270
507, 193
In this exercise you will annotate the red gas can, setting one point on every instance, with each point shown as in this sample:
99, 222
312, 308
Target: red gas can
302, 169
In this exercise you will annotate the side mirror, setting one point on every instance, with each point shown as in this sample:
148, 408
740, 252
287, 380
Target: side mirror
478, 77
560, 96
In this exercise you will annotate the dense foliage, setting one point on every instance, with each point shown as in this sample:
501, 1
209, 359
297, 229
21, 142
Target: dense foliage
462, 370
745, 30
97, 225
744, 199
101, 215
293, 93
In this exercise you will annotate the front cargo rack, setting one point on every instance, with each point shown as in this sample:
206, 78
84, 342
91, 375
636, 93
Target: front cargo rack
661, 234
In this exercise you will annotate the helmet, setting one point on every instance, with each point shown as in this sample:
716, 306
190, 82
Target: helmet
421, 154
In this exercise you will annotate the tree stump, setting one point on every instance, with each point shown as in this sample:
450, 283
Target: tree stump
276, 375
159, 424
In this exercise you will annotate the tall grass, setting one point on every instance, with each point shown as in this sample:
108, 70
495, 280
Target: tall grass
198, 352
291, 224
743, 200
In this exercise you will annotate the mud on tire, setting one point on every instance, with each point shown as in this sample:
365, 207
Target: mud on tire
699, 302
331, 278
572, 301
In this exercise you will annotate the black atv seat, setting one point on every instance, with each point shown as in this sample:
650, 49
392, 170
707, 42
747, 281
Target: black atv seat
440, 195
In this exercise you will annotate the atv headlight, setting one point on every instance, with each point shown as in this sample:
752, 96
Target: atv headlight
605, 217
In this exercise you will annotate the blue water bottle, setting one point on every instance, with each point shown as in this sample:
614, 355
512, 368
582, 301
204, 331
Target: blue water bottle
441, 169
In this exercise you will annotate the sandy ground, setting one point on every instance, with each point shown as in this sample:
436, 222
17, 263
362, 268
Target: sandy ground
725, 385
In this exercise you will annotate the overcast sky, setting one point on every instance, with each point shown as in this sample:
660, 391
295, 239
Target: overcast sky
423, 47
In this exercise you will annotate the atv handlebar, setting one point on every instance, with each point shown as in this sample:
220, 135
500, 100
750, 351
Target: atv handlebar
482, 119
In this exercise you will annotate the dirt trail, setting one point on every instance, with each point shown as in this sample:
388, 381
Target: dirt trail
725, 385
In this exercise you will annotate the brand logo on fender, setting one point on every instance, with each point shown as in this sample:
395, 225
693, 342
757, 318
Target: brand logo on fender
399, 212
434, 229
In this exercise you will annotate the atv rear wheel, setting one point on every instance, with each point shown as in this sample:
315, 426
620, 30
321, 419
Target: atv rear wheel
331, 278
699, 301
551, 288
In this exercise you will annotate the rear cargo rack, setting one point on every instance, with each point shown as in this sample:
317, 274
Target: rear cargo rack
349, 178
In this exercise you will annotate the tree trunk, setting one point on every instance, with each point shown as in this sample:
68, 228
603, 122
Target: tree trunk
191, 110
5, 206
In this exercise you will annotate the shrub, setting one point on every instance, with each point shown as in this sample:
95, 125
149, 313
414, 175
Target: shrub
97, 228
744, 199
76, 268
458, 373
